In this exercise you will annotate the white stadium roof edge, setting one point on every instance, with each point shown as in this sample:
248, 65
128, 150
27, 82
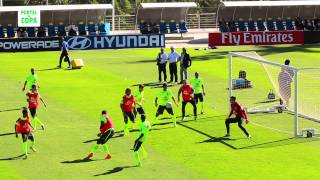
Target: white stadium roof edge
168, 5
269, 3
59, 7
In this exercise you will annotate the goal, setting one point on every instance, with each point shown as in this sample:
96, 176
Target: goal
290, 93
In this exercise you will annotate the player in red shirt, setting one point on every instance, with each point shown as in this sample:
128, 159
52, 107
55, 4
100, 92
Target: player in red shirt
106, 133
187, 95
33, 101
24, 127
127, 108
240, 117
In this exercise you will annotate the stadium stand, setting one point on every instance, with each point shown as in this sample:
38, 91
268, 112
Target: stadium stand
268, 16
163, 17
55, 20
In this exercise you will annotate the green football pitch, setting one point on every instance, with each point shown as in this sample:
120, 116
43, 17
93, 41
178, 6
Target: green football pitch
192, 150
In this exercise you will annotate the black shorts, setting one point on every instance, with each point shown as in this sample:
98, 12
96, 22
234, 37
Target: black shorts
26, 136
33, 111
128, 115
198, 97
137, 146
234, 120
105, 136
162, 108
139, 110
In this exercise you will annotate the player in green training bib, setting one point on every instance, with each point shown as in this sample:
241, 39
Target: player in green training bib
144, 132
199, 93
32, 79
164, 103
139, 97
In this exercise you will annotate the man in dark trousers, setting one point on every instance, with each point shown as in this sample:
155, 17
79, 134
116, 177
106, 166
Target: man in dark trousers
162, 65
173, 59
64, 53
185, 62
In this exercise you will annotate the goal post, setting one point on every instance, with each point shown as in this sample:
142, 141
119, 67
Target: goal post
264, 86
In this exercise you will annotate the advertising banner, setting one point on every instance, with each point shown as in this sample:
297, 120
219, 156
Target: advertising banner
115, 41
29, 44
256, 38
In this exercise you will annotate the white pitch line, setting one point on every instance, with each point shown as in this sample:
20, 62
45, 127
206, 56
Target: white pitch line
287, 132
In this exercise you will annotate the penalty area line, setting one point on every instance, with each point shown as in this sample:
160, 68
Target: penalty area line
267, 127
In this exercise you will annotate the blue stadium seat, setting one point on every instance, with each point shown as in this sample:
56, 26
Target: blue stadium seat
31, 32
241, 25
92, 28
173, 27
260, 25
104, 28
61, 29
163, 27
51, 30
82, 29
183, 27
289, 24
10, 31
279, 24
1, 32
270, 24
251, 25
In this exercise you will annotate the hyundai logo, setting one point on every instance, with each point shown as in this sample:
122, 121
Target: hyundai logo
79, 43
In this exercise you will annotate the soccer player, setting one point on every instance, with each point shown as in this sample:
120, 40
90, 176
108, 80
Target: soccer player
33, 100
64, 53
106, 132
240, 116
139, 98
199, 92
164, 97
24, 127
31, 79
144, 131
187, 91
127, 106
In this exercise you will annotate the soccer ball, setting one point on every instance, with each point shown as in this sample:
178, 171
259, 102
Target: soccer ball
169, 105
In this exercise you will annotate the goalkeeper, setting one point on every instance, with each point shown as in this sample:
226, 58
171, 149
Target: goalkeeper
240, 114
144, 131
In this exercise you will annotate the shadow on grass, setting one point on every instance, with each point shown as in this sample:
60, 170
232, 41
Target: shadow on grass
92, 140
84, 160
282, 142
8, 110
115, 170
12, 158
7, 134
48, 69
156, 84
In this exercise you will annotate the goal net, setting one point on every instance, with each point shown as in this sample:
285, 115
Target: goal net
276, 96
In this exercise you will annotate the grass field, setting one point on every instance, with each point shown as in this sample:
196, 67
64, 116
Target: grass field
192, 150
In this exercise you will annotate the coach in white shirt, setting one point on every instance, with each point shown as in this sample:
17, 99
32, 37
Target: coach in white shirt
162, 64
173, 59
